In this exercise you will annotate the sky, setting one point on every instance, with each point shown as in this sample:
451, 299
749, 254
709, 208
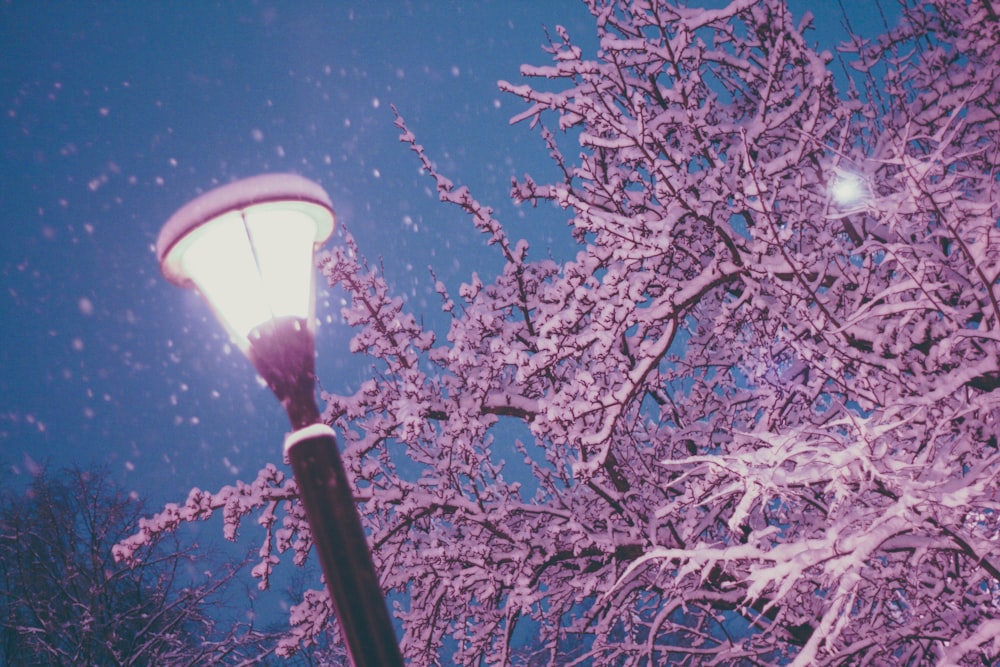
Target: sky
115, 114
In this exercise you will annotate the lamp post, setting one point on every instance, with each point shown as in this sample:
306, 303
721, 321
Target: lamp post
248, 248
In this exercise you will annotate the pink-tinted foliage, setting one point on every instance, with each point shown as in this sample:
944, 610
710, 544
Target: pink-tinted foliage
759, 405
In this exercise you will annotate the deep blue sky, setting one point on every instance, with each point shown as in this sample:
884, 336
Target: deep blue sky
113, 115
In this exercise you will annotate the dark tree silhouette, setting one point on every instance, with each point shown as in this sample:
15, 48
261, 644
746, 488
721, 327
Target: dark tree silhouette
65, 601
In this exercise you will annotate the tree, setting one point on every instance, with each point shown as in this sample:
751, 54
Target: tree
64, 601
759, 406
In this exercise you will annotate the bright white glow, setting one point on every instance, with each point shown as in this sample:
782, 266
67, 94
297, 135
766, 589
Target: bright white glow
253, 265
848, 189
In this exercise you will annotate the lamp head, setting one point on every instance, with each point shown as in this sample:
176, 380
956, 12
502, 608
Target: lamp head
248, 248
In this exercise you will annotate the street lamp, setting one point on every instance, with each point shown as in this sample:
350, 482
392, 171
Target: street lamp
248, 248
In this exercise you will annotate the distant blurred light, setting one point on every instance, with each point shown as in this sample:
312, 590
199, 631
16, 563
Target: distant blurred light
848, 189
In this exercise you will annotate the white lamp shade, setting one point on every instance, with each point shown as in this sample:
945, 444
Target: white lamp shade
248, 248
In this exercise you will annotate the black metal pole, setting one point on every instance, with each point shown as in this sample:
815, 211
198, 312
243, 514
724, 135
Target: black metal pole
282, 351
342, 548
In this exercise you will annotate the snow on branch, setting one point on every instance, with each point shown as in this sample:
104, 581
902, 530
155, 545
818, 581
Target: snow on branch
749, 420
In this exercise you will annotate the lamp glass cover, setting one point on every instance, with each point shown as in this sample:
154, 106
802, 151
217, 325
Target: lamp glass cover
254, 265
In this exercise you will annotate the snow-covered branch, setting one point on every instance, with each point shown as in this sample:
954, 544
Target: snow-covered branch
753, 419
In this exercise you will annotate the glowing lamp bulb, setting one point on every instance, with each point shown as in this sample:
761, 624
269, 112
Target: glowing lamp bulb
248, 248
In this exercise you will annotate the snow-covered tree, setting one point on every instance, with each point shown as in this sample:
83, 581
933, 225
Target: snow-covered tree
754, 420
64, 601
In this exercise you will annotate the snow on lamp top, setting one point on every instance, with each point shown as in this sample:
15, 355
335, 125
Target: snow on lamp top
248, 248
